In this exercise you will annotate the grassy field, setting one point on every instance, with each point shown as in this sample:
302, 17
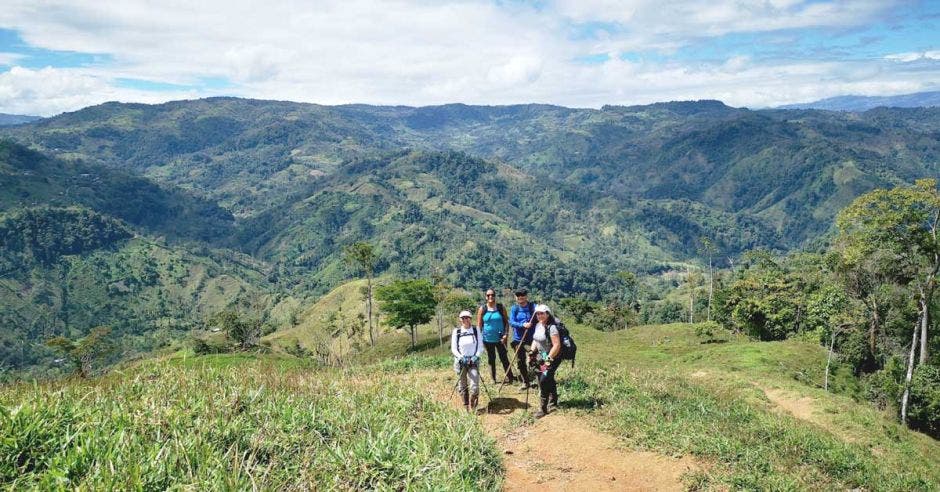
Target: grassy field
751, 413
754, 413
234, 423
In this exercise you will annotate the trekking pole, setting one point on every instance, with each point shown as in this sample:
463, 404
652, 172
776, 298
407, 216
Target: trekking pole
516, 354
489, 399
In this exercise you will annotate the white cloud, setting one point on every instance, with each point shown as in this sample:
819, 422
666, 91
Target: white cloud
423, 52
914, 56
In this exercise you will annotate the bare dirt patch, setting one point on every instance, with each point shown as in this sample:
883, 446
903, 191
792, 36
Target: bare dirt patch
801, 407
562, 451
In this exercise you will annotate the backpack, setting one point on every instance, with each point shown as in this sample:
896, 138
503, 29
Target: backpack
569, 349
475, 333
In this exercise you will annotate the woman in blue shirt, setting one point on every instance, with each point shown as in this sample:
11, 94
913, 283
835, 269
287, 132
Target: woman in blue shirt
494, 321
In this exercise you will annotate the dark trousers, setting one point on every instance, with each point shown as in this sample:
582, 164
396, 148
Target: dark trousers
521, 356
492, 348
547, 386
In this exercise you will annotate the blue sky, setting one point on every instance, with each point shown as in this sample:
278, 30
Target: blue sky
63, 55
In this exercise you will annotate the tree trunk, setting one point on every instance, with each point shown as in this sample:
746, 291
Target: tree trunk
413, 338
910, 372
832, 344
440, 326
369, 308
924, 323
711, 288
691, 296
873, 328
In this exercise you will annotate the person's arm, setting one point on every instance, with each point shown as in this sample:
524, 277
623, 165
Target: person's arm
453, 344
480, 317
505, 317
556, 343
479, 342
513, 312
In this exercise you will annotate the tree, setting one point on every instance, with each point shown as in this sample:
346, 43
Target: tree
243, 330
85, 351
902, 221
708, 247
577, 307
362, 256
407, 303
631, 290
441, 290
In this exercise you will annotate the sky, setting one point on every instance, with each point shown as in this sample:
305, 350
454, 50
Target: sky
58, 56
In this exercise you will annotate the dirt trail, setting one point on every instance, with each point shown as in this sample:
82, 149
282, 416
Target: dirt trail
562, 451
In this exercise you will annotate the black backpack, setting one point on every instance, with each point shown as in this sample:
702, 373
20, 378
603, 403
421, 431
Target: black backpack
569, 349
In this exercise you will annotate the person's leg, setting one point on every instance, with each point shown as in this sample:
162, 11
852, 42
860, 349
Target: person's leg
504, 359
491, 358
553, 384
545, 389
520, 350
474, 375
462, 382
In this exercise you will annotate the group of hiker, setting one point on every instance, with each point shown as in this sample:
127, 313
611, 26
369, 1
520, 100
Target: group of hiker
539, 344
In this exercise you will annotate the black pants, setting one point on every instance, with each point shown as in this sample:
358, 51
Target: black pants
521, 354
547, 386
491, 349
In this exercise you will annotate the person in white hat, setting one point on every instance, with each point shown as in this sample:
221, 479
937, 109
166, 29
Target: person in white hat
466, 346
546, 348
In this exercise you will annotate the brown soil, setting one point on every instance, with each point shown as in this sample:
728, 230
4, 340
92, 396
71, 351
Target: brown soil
800, 407
562, 451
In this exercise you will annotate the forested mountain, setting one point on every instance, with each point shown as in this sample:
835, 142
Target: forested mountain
266, 194
16, 119
864, 103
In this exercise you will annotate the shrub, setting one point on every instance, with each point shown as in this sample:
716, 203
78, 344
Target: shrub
924, 412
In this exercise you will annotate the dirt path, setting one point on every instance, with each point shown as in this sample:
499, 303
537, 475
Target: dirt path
562, 451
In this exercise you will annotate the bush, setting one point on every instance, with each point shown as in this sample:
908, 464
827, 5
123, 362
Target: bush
204, 344
883, 388
924, 411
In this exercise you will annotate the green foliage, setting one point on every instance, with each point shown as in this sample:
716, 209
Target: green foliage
243, 330
225, 423
43, 235
407, 303
85, 352
924, 412
577, 307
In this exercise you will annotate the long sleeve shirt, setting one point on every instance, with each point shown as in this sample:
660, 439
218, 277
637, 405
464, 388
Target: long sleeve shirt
518, 317
466, 342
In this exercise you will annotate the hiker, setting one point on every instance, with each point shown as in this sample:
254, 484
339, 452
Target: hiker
466, 347
546, 357
522, 321
493, 320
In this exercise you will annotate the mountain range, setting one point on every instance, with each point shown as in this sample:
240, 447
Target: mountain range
864, 103
251, 202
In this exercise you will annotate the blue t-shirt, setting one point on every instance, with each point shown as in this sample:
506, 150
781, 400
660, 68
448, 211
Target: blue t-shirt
518, 317
493, 327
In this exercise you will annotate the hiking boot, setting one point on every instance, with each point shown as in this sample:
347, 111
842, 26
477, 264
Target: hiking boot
474, 400
543, 409
466, 398
553, 402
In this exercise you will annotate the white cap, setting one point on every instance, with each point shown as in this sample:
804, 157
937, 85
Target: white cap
542, 308
465, 313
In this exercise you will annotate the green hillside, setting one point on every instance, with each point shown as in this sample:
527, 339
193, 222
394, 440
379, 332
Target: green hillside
750, 415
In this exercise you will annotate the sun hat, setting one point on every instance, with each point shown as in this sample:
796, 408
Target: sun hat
465, 314
542, 308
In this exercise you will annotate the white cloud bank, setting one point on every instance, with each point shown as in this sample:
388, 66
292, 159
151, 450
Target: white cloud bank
423, 52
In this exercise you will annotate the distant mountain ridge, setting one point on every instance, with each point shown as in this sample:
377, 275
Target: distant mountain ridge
864, 103
17, 119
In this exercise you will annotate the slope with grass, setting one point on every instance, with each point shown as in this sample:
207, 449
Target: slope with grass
661, 405
751, 415
235, 423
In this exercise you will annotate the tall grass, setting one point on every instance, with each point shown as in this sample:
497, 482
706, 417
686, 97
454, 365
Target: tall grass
744, 445
251, 425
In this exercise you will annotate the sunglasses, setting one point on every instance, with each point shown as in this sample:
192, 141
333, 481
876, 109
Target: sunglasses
465, 317
491, 295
